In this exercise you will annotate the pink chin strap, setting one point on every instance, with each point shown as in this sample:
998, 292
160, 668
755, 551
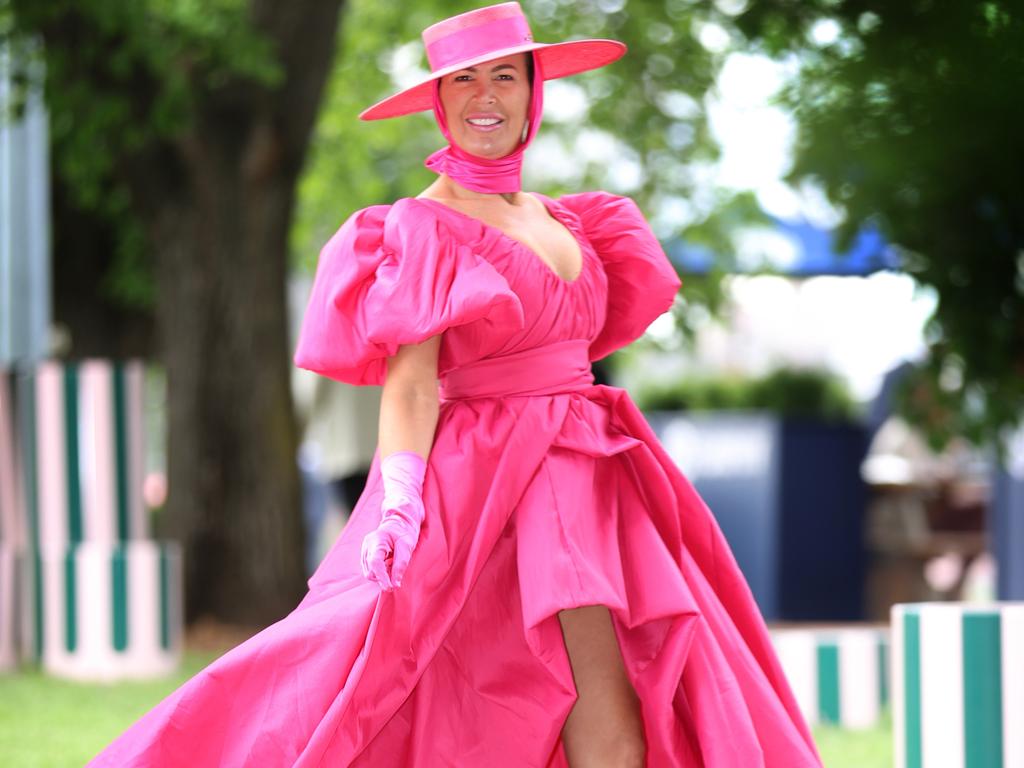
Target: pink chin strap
481, 174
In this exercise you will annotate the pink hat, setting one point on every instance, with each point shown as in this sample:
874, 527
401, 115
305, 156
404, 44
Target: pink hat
490, 33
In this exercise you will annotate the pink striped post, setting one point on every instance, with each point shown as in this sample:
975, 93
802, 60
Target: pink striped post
101, 601
8, 606
54, 472
98, 469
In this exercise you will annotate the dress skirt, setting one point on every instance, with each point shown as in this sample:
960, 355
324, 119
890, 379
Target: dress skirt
543, 492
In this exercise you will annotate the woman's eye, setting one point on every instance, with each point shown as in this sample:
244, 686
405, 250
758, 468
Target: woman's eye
462, 78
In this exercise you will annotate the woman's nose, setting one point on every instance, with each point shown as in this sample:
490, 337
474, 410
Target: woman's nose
484, 91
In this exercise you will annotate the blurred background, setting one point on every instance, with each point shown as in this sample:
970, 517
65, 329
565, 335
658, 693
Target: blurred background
838, 182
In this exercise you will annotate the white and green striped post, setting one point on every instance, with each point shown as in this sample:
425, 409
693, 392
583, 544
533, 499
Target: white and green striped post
958, 685
85, 425
110, 611
98, 600
838, 675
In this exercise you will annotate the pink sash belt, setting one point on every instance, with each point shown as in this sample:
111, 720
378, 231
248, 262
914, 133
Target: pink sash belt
548, 370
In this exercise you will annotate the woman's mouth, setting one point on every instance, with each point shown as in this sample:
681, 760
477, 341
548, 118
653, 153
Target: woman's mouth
484, 123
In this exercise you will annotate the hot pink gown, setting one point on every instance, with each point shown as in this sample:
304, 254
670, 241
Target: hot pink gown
542, 492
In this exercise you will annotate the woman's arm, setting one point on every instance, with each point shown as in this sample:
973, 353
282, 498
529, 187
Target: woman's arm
408, 418
409, 401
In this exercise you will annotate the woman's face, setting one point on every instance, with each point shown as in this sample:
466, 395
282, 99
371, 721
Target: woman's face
486, 105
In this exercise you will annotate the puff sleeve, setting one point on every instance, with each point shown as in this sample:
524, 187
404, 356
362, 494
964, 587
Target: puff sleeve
642, 283
392, 275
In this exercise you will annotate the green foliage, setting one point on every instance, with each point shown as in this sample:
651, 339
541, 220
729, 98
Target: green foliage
104, 53
121, 76
931, 396
790, 392
651, 98
911, 117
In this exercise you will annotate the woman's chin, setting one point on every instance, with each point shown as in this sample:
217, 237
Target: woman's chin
490, 150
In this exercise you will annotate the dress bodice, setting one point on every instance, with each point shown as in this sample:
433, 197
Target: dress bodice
402, 273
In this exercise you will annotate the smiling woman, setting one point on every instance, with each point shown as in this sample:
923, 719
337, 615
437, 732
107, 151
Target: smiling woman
486, 106
489, 113
527, 580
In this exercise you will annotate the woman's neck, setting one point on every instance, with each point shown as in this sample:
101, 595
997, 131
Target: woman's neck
447, 187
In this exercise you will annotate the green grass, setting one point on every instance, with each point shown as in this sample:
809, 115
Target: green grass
48, 723
856, 749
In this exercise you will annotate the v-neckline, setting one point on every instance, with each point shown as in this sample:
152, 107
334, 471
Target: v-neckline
543, 200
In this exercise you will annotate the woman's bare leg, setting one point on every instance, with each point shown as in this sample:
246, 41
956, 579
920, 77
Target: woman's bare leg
605, 728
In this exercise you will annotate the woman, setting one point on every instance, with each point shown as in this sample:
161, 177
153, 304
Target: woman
527, 579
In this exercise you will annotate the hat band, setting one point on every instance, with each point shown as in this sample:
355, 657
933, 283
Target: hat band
473, 42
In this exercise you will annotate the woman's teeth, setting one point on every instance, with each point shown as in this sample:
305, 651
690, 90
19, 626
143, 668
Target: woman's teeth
484, 121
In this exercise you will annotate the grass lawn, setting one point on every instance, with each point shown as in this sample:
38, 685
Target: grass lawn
47, 723
856, 749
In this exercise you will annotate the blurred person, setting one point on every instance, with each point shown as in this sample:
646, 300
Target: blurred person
343, 426
315, 503
338, 423
527, 578
340, 440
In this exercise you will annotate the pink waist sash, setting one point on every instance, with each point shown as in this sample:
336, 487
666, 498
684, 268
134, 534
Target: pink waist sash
552, 369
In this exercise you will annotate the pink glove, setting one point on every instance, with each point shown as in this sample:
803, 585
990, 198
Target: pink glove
402, 515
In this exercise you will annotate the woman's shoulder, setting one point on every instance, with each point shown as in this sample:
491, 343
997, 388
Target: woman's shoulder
413, 225
405, 210
413, 217
598, 203
398, 224
421, 210
592, 197
604, 215
378, 215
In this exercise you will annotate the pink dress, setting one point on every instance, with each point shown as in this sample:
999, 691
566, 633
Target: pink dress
542, 492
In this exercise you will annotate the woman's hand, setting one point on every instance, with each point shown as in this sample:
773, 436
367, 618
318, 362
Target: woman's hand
387, 550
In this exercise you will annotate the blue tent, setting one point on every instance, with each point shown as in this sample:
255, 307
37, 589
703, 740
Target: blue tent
814, 250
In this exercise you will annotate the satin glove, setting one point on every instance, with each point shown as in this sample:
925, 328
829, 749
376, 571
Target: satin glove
402, 515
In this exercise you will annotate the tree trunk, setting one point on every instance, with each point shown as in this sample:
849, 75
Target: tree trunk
218, 205
234, 495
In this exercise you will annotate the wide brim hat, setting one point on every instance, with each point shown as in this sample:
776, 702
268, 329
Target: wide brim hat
482, 35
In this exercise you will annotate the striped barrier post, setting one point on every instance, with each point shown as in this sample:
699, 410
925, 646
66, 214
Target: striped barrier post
110, 611
8, 606
84, 422
97, 600
839, 676
958, 685
11, 531
10, 508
